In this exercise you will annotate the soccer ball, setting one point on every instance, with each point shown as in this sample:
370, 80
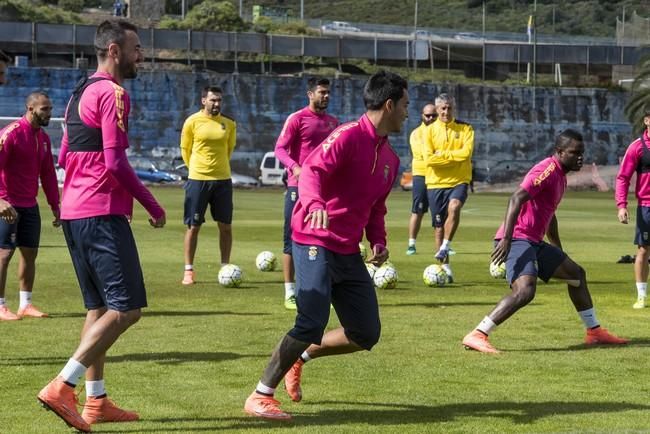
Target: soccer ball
385, 277
230, 276
363, 251
498, 271
372, 268
265, 261
434, 275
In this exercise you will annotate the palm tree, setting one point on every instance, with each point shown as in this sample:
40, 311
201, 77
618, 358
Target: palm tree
640, 100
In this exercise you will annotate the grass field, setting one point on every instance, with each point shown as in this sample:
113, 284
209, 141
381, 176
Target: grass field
198, 352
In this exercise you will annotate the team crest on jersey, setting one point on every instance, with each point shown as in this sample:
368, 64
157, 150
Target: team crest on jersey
457, 135
223, 126
386, 172
545, 174
313, 253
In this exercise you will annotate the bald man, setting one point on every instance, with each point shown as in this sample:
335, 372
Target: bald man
25, 157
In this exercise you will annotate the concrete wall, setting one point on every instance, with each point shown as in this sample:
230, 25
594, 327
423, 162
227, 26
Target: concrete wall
510, 131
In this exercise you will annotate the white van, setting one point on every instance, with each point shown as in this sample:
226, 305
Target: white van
340, 26
271, 170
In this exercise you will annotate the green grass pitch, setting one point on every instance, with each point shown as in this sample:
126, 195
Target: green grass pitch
198, 352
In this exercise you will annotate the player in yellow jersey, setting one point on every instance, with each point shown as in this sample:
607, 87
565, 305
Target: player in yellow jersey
207, 143
450, 144
420, 206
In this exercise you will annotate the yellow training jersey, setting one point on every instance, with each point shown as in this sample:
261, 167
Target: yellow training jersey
448, 153
417, 142
207, 143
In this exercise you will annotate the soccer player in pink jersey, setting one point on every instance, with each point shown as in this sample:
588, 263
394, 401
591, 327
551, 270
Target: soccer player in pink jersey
343, 189
303, 131
637, 160
519, 243
96, 207
25, 156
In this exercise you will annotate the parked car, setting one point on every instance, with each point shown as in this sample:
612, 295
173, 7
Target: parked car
467, 35
340, 26
423, 34
147, 170
175, 165
244, 181
271, 170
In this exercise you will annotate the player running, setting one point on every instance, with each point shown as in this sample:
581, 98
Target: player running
520, 243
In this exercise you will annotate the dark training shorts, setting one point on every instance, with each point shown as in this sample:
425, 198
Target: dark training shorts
533, 259
106, 261
198, 194
439, 201
324, 277
642, 234
290, 200
24, 232
420, 198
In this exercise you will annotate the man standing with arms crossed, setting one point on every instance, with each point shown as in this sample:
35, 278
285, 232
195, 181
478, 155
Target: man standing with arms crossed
343, 189
419, 171
303, 131
96, 206
637, 160
450, 144
207, 143
25, 156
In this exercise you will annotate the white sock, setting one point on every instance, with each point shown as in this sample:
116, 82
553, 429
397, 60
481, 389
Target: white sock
486, 326
445, 245
72, 371
447, 269
25, 298
642, 289
411, 242
189, 267
305, 357
589, 318
95, 388
3, 301
289, 289
266, 390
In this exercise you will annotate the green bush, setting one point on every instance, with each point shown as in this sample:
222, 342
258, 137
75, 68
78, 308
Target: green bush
72, 5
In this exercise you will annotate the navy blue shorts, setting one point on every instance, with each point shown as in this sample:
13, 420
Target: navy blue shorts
25, 232
324, 277
533, 259
106, 261
198, 194
642, 235
420, 197
439, 201
290, 199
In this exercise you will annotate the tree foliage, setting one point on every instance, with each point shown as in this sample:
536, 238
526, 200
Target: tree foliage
640, 100
209, 15
20, 10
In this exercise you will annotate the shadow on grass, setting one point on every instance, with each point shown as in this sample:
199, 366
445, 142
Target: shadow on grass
377, 414
443, 304
582, 347
166, 358
148, 313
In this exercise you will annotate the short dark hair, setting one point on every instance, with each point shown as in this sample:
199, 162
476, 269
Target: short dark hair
32, 96
4, 58
381, 87
314, 82
564, 139
111, 32
208, 89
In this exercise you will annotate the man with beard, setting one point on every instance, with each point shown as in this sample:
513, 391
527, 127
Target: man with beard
519, 243
303, 131
25, 156
207, 143
344, 184
96, 207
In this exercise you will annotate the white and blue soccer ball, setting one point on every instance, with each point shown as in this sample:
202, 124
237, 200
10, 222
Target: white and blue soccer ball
498, 271
265, 261
372, 269
385, 277
434, 275
363, 250
230, 276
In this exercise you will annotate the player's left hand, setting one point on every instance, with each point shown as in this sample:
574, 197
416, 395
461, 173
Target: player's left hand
318, 219
379, 255
57, 219
158, 222
623, 216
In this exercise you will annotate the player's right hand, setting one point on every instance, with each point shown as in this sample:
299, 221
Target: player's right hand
158, 222
296, 171
623, 216
7, 212
318, 219
500, 252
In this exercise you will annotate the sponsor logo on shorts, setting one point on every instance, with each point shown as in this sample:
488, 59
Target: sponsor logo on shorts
293, 196
438, 218
12, 238
197, 217
420, 205
645, 236
313, 253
